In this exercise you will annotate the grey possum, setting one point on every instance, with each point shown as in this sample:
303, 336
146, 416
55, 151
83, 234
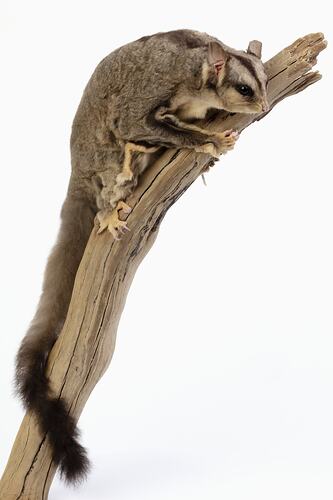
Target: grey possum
144, 96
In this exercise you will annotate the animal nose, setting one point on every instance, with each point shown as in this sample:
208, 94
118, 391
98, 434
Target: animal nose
265, 106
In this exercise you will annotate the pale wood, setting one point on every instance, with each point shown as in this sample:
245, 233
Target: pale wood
86, 344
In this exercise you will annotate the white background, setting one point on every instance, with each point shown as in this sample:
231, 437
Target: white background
221, 383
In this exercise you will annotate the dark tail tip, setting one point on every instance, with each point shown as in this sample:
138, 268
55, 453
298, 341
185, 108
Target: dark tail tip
63, 437
52, 415
74, 465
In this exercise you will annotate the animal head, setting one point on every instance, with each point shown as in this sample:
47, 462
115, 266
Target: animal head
240, 78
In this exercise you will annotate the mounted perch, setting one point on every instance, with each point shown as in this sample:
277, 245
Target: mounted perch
85, 346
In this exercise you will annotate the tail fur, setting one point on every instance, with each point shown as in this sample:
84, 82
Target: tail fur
31, 381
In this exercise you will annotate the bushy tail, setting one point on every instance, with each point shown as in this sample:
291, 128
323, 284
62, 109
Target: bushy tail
31, 381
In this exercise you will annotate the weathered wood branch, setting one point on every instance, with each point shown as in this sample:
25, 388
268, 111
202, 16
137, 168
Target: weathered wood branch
86, 344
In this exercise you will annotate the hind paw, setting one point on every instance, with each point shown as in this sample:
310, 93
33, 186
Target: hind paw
109, 219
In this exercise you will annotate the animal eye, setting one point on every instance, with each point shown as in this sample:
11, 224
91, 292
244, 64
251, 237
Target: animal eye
245, 90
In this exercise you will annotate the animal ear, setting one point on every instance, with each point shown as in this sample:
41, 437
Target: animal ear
217, 56
254, 48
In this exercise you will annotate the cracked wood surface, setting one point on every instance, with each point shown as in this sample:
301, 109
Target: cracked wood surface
86, 344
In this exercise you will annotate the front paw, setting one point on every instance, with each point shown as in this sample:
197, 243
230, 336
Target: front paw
225, 141
221, 143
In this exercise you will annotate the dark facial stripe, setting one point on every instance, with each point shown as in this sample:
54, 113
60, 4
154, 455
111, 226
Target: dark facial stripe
249, 66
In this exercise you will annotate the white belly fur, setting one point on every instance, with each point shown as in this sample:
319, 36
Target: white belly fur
197, 107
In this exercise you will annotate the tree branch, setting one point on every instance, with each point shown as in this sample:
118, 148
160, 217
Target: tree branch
85, 346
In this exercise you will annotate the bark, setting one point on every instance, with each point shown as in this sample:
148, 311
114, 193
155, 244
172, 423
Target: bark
86, 344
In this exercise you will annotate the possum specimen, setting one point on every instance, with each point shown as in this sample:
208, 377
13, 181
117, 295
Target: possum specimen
144, 96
